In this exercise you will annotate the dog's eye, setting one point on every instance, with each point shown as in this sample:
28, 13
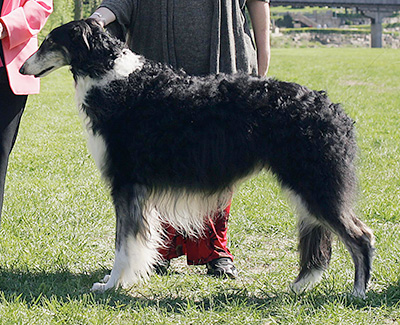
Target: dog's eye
48, 40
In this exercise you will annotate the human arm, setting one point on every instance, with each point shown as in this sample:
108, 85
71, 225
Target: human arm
103, 16
261, 20
20, 24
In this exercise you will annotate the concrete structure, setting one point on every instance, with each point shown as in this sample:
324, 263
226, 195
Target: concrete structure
375, 10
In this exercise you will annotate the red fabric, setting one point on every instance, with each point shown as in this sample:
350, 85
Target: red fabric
200, 250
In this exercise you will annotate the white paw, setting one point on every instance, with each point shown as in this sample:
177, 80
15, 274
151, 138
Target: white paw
106, 284
101, 286
300, 287
307, 282
98, 287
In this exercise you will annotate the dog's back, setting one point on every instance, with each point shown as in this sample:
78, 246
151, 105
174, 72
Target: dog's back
206, 133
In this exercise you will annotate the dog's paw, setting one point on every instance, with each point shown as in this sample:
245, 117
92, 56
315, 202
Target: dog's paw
359, 293
298, 287
101, 286
307, 281
98, 287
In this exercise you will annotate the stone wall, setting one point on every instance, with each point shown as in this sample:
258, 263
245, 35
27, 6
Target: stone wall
315, 39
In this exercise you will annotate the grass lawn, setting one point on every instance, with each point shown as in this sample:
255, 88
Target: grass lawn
57, 230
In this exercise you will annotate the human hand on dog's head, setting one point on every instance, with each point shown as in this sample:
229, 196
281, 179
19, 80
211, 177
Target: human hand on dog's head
103, 16
98, 18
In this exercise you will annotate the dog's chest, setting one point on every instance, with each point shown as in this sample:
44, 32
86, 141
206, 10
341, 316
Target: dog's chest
82, 87
95, 142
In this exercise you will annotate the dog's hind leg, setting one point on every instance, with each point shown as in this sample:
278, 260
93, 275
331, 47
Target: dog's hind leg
314, 247
137, 239
359, 241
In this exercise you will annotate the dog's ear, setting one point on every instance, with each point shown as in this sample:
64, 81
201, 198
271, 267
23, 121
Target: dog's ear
80, 34
85, 40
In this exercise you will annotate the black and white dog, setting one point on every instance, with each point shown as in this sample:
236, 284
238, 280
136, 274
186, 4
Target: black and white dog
173, 147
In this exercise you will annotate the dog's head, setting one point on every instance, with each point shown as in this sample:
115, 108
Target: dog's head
74, 44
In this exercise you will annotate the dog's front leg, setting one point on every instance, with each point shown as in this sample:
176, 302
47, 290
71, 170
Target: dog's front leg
114, 279
137, 239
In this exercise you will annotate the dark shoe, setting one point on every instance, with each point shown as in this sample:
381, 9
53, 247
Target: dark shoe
161, 268
222, 267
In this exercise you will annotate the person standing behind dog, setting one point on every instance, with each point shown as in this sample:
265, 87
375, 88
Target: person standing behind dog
202, 37
20, 22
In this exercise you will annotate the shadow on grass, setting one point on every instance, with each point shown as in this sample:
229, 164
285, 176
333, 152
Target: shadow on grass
65, 286
31, 285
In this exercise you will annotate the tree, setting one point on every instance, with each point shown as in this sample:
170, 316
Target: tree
83, 8
78, 9
67, 10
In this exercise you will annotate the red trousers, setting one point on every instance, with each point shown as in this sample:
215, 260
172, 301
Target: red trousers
200, 250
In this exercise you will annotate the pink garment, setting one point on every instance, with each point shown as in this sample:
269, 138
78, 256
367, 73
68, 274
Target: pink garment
23, 20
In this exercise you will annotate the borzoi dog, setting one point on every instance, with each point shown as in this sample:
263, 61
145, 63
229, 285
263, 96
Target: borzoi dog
173, 147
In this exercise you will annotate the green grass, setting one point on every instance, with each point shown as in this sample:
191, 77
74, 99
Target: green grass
57, 229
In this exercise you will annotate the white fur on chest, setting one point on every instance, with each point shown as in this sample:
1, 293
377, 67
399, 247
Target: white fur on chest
125, 64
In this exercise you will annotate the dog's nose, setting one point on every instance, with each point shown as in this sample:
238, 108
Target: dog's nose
22, 69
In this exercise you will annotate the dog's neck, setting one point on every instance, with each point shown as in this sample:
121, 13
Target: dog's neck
104, 55
122, 66
126, 63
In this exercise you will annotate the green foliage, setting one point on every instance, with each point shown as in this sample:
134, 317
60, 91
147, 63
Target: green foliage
64, 12
393, 25
303, 10
359, 29
57, 230
325, 30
